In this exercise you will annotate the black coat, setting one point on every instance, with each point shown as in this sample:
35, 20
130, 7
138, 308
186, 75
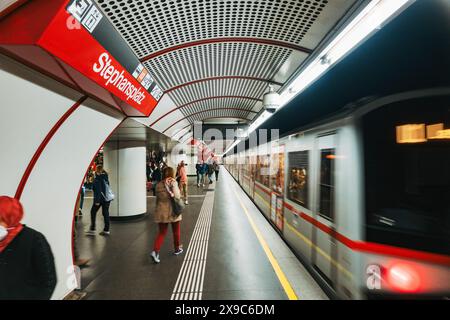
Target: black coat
99, 187
27, 268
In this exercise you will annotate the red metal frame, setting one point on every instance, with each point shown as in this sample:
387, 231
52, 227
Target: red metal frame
43, 145
82, 181
203, 111
227, 39
12, 7
204, 99
222, 78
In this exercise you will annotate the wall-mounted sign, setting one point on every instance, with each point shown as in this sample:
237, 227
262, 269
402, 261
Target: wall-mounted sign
79, 35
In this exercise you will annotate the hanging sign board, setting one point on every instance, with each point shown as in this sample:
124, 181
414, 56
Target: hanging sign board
78, 33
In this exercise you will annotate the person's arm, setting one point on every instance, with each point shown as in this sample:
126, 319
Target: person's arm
175, 190
43, 267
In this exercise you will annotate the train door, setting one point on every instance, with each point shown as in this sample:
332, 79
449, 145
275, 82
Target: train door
324, 211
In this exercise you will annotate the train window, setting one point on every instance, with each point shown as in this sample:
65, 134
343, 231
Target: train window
326, 184
298, 178
263, 170
407, 174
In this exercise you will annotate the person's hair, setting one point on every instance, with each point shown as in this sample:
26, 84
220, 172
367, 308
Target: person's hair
168, 172
100, 169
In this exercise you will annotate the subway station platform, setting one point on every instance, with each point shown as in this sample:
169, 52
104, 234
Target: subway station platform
231, 252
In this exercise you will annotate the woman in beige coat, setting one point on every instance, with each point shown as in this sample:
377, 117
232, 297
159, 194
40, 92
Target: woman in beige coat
165, 189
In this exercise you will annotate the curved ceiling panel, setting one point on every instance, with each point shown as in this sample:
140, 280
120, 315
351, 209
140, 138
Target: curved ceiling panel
218, 59
149, 26
217, 113
242, 103
219, 87
209, 114
205, 50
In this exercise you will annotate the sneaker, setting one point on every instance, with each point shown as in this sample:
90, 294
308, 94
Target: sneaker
178, 251
90, 232
105, 233
186, 202
155, 257
198, 185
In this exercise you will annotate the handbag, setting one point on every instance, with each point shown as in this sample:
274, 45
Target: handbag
108, 195
177, 203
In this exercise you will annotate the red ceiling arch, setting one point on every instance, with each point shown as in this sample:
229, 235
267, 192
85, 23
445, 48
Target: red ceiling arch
203, 111
204, 99
222, 78
227, 39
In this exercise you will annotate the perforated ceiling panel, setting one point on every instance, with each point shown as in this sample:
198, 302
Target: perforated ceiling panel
217, 113
242, 104
219, 88
184, 42
150, 25
219, 59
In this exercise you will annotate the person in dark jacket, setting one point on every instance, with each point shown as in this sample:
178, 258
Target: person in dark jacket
27, 267
202, 170
216, 169
156, 177
99, 189
197, 171
210, 172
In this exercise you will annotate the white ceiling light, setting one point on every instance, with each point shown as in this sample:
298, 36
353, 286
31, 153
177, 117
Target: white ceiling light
368, 21
258, 121
234, 144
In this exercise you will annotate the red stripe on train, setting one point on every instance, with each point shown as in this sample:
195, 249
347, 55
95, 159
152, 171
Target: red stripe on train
371, 247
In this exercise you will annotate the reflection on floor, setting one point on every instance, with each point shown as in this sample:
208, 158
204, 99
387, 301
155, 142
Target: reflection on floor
223, 257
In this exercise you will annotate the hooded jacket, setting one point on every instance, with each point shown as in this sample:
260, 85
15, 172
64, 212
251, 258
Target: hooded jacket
99, 187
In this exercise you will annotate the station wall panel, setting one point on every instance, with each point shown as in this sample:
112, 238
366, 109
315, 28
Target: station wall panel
31, 107
51, 192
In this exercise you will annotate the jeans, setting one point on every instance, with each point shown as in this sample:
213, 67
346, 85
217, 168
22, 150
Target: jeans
162, 233
200, 178
105, 212
82, 197
184, 190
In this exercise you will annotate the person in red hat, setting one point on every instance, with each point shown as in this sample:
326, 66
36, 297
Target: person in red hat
27, 267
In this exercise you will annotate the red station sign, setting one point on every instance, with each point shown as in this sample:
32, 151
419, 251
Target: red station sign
45, 35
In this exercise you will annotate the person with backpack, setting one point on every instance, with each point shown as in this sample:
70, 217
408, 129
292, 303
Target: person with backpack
165, 214
27, 266
101, 188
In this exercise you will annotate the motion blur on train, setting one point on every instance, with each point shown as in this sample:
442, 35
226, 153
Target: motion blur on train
362, 197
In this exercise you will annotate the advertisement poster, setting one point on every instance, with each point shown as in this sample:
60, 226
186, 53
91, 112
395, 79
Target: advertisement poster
279, 213
277, 184
273, 207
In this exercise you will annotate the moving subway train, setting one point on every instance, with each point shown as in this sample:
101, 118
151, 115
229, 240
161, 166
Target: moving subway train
362, 198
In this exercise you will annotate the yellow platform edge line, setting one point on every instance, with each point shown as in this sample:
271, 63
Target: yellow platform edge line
273, 261
309, 243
